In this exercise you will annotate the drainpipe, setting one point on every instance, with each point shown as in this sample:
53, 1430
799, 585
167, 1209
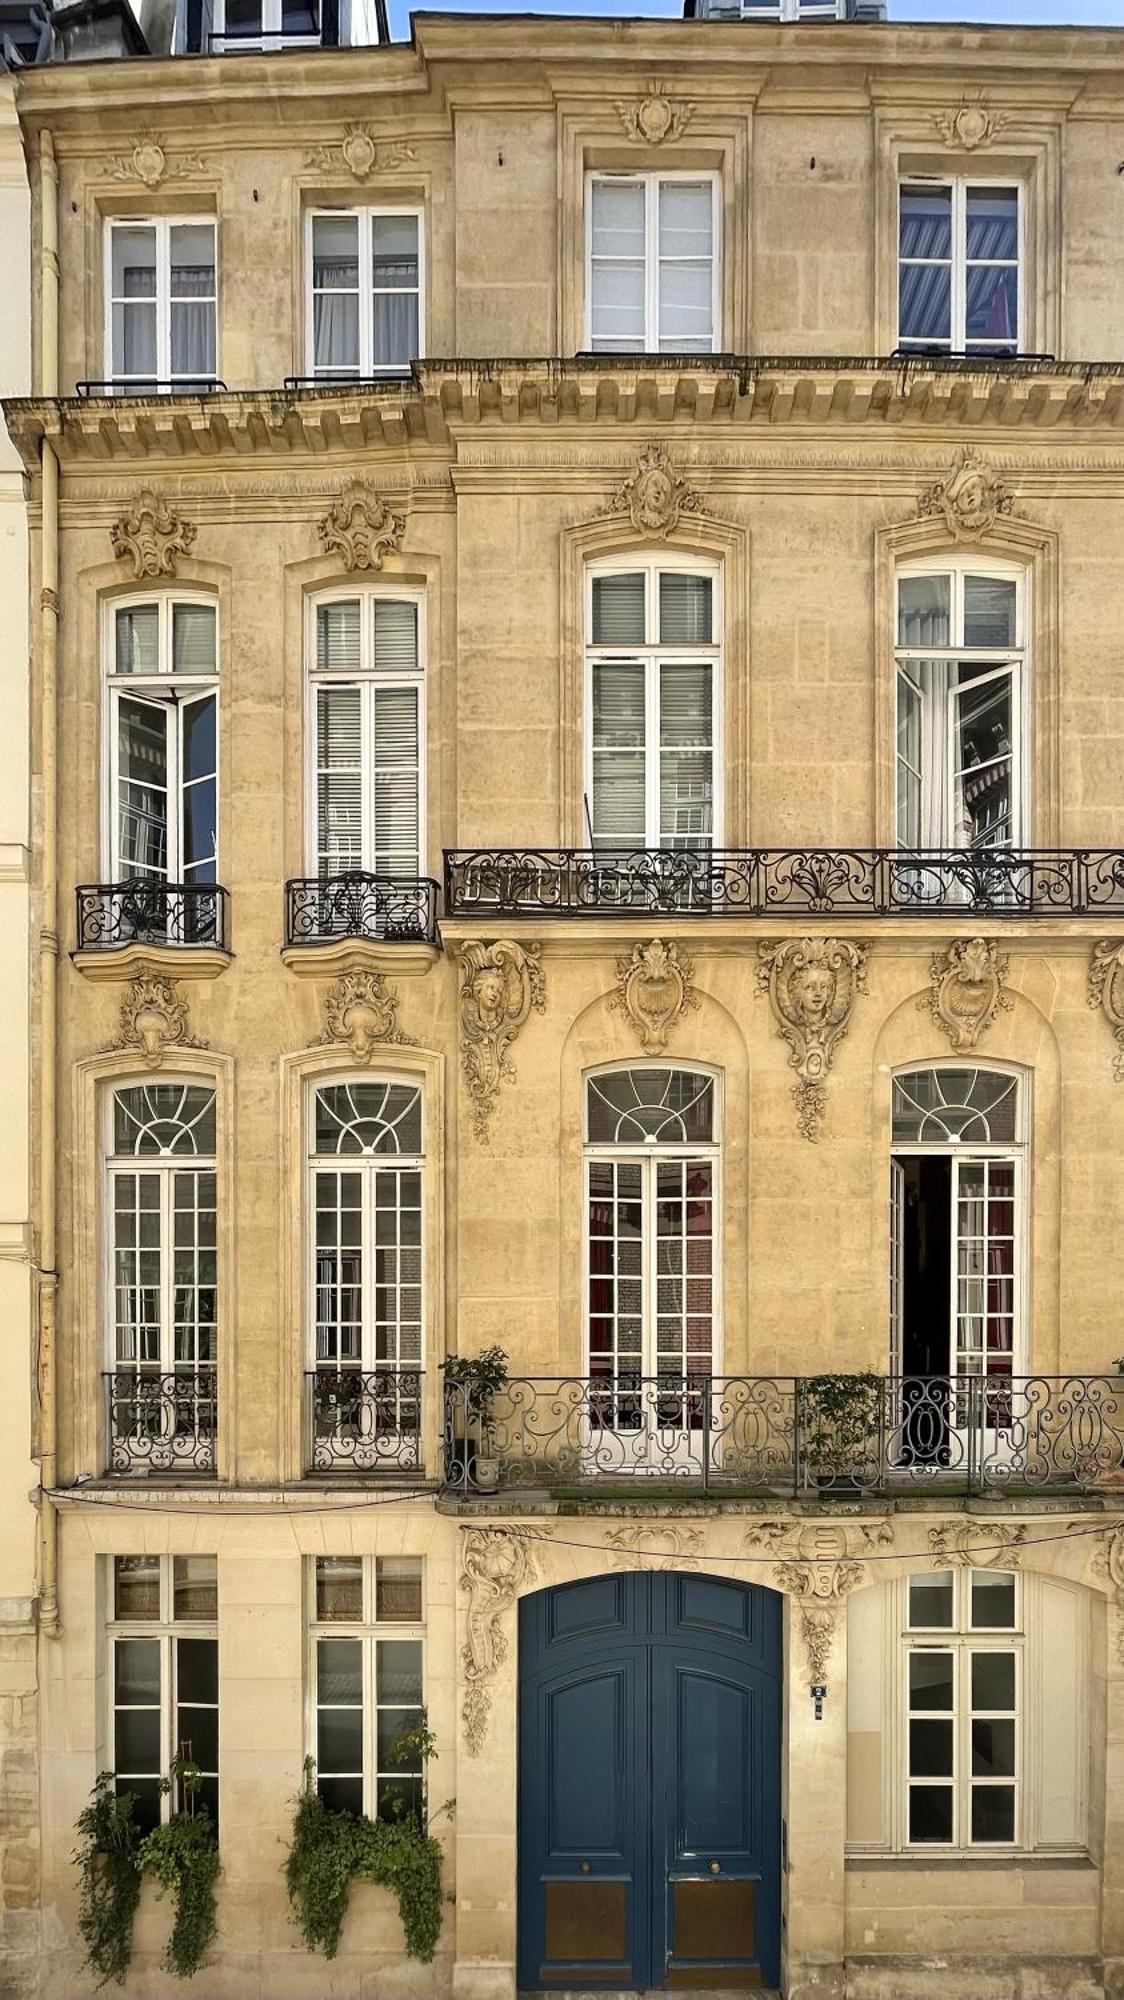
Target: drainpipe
48, 933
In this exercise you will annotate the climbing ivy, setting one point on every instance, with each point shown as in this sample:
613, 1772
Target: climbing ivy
330, 1849
109, 1842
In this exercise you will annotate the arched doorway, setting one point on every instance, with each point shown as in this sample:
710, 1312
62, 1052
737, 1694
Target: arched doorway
649, 1784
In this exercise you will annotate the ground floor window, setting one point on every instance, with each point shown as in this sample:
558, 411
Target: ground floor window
963, 1659
164, 1680
367, 1681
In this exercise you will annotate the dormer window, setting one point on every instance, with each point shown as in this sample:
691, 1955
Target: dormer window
264, 24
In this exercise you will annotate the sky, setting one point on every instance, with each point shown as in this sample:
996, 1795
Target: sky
1012, 13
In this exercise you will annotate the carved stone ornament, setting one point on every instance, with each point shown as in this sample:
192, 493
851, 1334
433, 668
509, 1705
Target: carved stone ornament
360, 152
976, 1545
817, 1629
656, 117
811, 984
972, 124
966, 989
654, 990
154, 1019
148, 161
655, 1548
360, 527
654, 496
495, 1564
818, 1559
1106, 991
153, 535
361, 1010
969, 500
500, 984
1108, 1563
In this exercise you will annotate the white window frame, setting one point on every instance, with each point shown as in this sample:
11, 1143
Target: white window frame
165, 1629
366, 368
367, 1165
171, 690
958, 336
369, 1630
163, 225
962, 1639
367, 679
651, 654
649, 1153
272, 35
166, 1165
794, 10
1014, 1151
938, 735
651, 182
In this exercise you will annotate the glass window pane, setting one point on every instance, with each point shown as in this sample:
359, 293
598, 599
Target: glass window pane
339, 1672
930, 1680
993, 1601
138, 639
990, 604
930, 1812
197, 1670
992, 225
195, 1587
136, 1587
685, 610
925, 303
194, 632
924, 610
395, 635
618, 610
146, 1794
398, 1590
136, 1740
930, 1601
393, 1724
930, 1749
993, 1812
993, 1681
617, 212
993, 1748
335, 252
925, 222
338, 637
673, 1105
398, 1671
341, 1794
993, 305
136, 1672
686, 219
133, 261
339, 1588
394, 252
197, 1735
339, 1739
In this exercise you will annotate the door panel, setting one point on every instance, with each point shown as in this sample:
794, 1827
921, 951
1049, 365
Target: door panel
649, 1780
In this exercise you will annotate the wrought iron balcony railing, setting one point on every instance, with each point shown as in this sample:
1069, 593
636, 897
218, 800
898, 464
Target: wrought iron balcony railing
796, 1435
793, 881
165, 1423
388, 909
142, 911
360, 1422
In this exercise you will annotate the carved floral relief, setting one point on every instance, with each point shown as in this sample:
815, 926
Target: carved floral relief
643, 1547
812, 984
361, 1011
1106, 991
500, 985
818, 1559
654, 496
360, 152
976, 1544
154, 1019
152, 534
656, 117
360, 527
966, 989
971, 125
495, 1564
654, 990
149, 162
970, 499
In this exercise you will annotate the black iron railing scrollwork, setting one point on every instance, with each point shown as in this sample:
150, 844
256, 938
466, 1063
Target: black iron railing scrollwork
388, 909
360, 1421
762, 882
165, 1423
146, 912
799, 1435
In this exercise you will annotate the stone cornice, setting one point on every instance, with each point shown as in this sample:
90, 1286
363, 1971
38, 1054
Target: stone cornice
446, 399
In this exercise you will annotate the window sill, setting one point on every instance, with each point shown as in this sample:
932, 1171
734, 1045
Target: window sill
411, 958
976, 1863
105, 963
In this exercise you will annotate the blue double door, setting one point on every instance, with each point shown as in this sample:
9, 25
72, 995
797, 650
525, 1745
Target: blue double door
649, 1784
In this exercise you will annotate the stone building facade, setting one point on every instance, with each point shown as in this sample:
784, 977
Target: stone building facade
608, 845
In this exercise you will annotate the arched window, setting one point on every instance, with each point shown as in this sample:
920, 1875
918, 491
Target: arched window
957, 1250
366, 735
366, 1166
653, 703
652, 1203
161, 1199
962, 768
162, 674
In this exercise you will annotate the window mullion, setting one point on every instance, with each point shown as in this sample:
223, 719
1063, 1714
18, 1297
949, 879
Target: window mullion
163, 300
651, 262
364, 224
959, 265
652, 750
369, 1171
370, 1721
648, 1265
167, 1709
167, 1295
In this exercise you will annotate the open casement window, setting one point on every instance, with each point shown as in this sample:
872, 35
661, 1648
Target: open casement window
653, 736
164, 1681
163, 742
366, 292
263, 24
367, 1683
652, 1198
163, 1262
652, 263
962, 1703
957, 1258
959, 281
367, 1171
367, 733
161, 303
962, 779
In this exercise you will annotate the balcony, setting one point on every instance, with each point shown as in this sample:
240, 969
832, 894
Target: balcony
388, 921
115, 915
358, 1422
788, 1436
162, 1424
795, 882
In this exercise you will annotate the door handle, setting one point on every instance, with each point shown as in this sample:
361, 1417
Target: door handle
716, 1867
586, 1866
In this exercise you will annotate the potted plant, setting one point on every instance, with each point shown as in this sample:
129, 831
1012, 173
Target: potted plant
839, 1422
475, 1379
